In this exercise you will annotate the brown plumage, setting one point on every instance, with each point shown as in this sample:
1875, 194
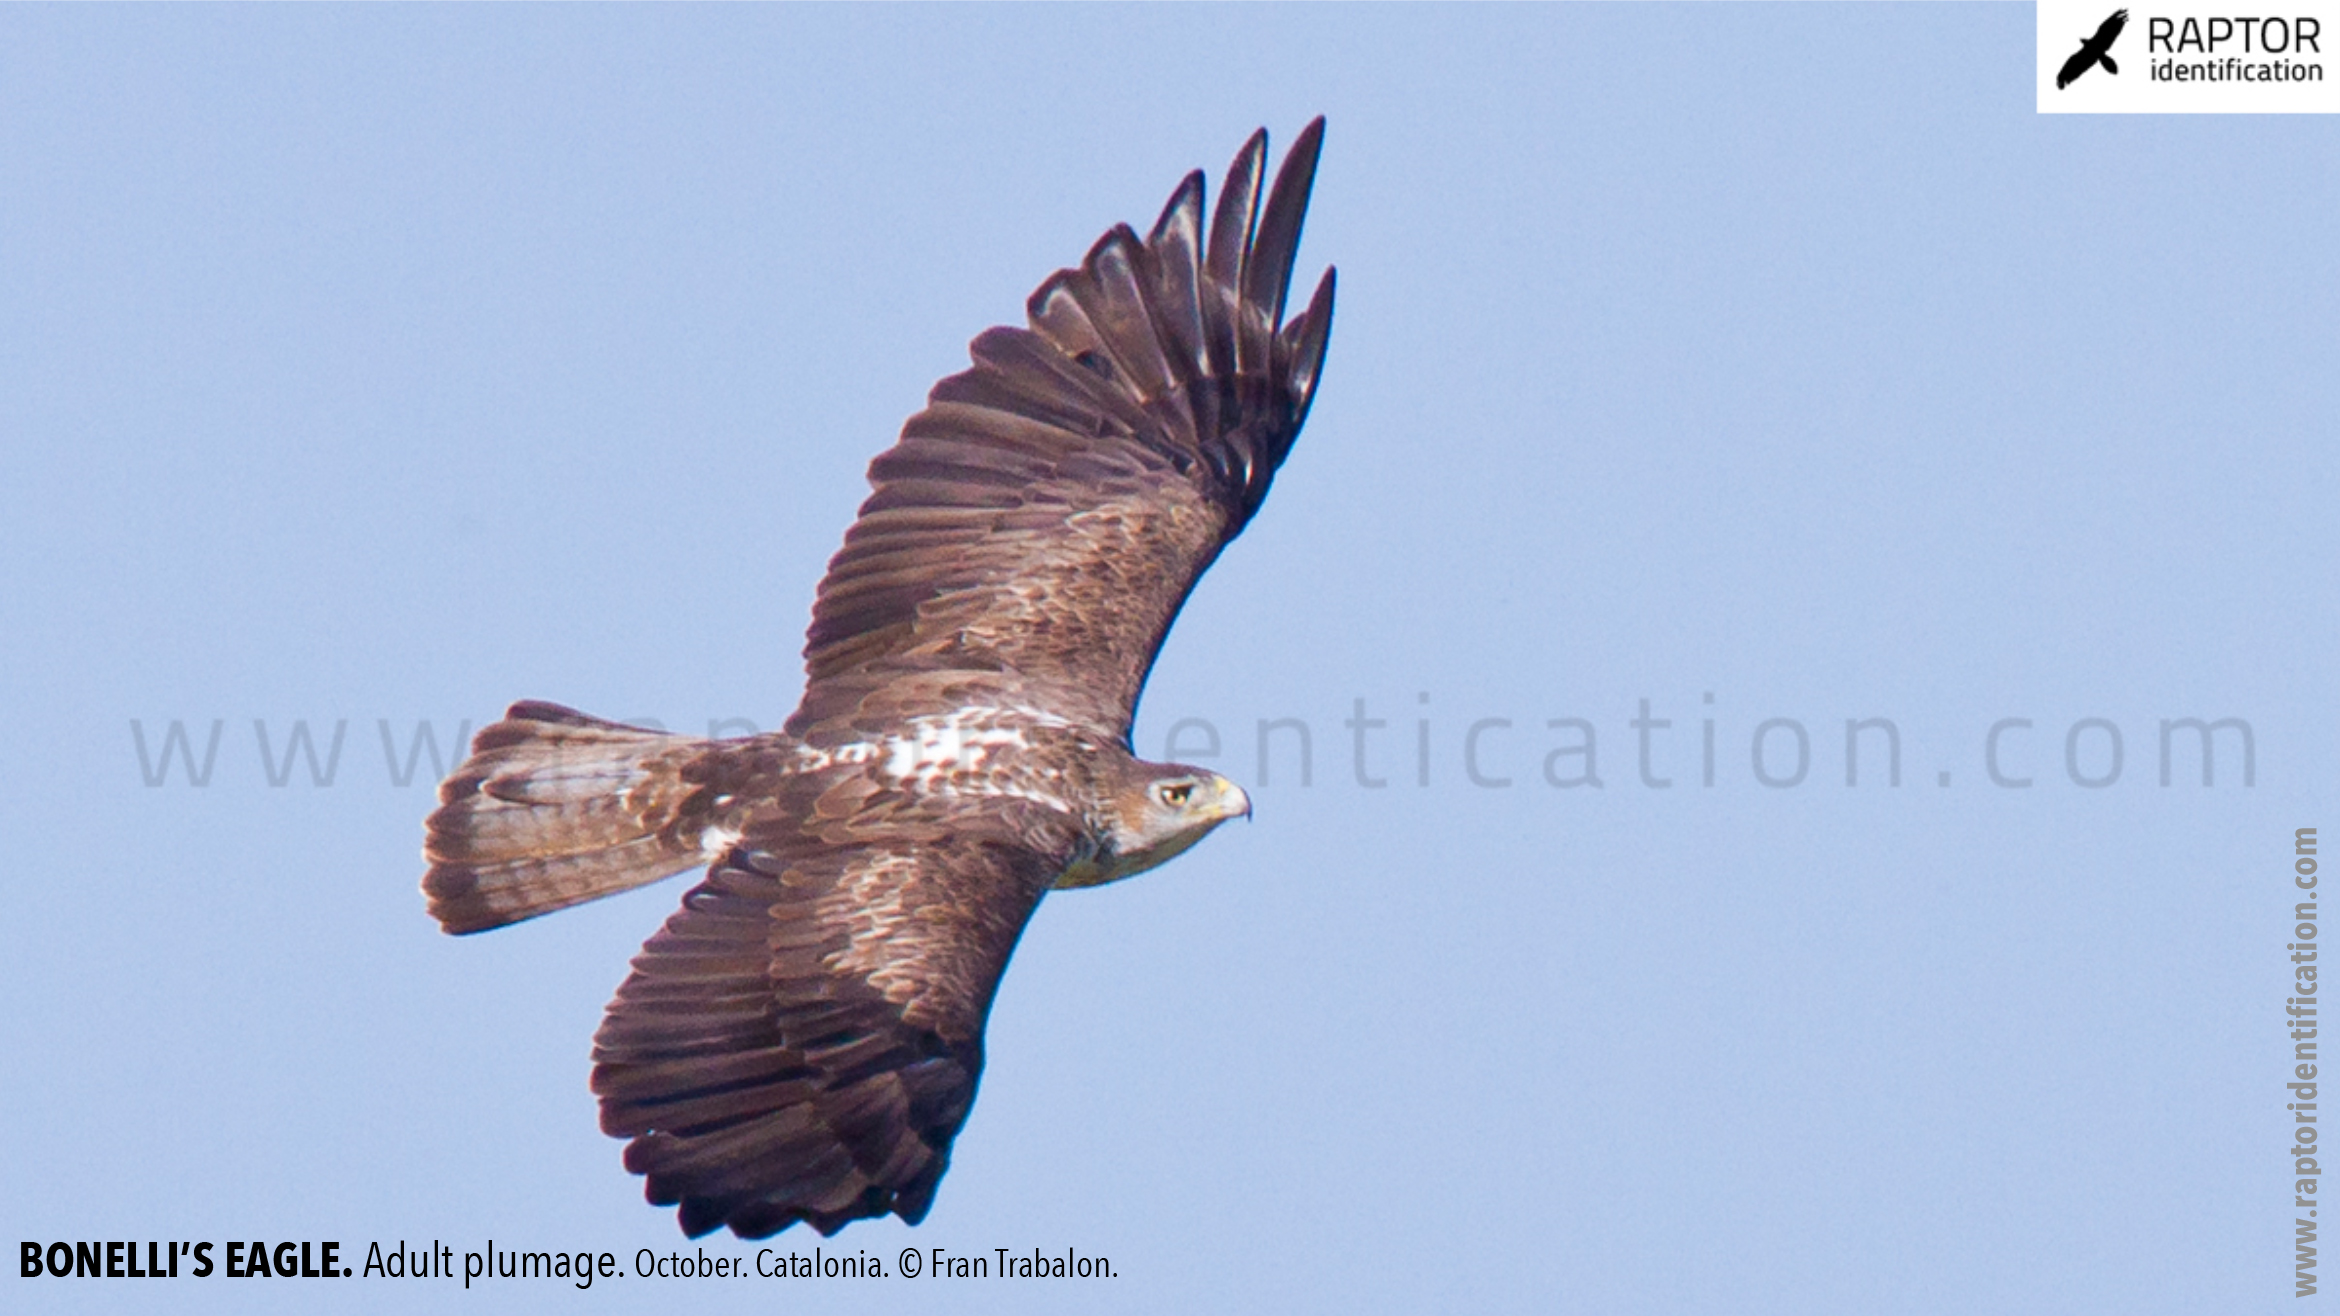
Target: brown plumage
802, 1040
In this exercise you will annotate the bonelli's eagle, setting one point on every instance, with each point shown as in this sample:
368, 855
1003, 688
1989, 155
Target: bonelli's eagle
802, 1040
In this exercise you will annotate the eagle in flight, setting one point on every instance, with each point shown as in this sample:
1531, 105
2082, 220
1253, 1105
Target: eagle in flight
802, 1039
2094, 51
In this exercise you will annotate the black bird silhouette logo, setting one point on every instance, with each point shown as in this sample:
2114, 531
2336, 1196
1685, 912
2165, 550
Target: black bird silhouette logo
2094, 51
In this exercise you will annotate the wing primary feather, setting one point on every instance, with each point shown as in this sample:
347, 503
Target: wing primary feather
1230, 243
1110, 290
1267, 271
1176, 247
1305, 341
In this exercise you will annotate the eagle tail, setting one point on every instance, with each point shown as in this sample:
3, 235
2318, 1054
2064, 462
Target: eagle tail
555, 808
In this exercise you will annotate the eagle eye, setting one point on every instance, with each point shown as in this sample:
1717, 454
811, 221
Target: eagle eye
1176, 796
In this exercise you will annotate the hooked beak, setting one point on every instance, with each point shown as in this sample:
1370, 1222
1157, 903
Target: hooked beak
1233, 802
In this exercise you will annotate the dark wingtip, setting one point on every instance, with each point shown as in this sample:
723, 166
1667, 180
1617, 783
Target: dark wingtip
1237, 213
1307, 339
1267, 273
1183, 210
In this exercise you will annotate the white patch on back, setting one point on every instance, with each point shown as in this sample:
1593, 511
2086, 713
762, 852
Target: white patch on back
959, 742
958, 745
715, 840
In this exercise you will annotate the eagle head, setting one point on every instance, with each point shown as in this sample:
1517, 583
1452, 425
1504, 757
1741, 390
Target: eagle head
1160, 810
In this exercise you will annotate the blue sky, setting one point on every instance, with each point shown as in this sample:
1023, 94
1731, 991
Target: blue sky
377, 367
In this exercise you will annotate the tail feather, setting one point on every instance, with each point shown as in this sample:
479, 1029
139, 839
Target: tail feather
555, 808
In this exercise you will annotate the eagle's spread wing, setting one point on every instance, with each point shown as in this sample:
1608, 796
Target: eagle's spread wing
2075, 66
1045, 516
802, 1040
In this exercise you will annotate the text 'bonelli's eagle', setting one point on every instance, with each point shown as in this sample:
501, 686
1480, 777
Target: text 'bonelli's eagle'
802, 1040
